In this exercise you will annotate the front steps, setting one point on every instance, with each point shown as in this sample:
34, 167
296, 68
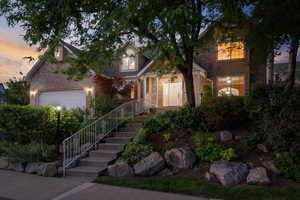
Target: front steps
105, 154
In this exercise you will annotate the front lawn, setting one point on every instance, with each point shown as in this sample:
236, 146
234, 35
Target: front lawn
192, 185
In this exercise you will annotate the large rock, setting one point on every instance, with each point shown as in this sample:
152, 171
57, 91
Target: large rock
263, 148
229, 173
165, 172
180, 158
258, 176
32, 168
16, 166
4, 164
211, 177
120, 170
225, 136
47, 169
270, 165
150, 165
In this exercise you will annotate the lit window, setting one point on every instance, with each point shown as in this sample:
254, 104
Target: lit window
128, 61
231, 86
57, 52
231, 50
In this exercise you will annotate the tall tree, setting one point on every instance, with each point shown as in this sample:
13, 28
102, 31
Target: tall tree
17, 92
169, 28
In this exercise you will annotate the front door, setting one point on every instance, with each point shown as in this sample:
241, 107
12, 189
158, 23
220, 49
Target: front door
172, 94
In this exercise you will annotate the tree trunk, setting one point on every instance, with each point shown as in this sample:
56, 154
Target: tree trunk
270, 68
294, 45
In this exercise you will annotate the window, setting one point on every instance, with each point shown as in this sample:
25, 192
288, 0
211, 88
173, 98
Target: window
57, 53
231, 50
231, 86
128, 61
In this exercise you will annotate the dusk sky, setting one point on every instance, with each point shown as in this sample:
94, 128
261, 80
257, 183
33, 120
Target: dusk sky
13, 49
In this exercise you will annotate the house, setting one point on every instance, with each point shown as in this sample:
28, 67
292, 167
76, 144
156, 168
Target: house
281, 72
224, 67
2, 91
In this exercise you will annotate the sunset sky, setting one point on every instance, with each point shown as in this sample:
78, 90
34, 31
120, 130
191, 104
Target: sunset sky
13, 49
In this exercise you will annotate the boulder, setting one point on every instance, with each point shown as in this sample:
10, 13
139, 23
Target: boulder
4, 164
32, 168
16, 166
270, 165
229, 173
180, 158
225, 136
258, 176
211, 177
263, 148
165, 172
47, 169
120, 170
150, 165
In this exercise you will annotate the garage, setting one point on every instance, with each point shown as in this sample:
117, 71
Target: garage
68, 99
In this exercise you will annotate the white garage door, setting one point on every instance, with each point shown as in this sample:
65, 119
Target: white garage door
68, 99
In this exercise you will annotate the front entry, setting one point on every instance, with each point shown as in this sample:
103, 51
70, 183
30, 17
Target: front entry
172, 94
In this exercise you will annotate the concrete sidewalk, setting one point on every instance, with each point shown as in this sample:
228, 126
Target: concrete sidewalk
21, 186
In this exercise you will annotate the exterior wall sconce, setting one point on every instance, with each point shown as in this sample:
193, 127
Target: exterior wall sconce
89, 90
33, 93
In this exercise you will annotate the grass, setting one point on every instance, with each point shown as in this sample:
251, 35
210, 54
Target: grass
192, 185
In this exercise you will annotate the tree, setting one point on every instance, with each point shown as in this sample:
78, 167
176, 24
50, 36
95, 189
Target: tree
170, 29
17, 92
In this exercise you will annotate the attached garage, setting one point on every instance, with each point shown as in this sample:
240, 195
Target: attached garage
68, 98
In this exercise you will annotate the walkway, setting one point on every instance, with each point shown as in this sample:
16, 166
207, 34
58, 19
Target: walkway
20, 186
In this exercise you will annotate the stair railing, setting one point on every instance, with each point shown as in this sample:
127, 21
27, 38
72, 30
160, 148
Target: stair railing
87, 138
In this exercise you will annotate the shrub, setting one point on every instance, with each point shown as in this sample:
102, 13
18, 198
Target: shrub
289, 165
207, 150
224, 113
134, 153
141, 136
103, 104
171, 145
207, 94
35, 124
27, 153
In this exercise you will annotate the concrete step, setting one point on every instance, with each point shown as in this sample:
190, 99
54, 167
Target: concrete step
124, 133
119, 140
105, 153
85, 171
128, 129
111, 146
96, 161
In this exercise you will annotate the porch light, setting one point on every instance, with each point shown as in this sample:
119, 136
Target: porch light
229, 81
89, 90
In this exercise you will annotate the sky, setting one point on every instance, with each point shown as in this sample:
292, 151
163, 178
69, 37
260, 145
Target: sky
13, 49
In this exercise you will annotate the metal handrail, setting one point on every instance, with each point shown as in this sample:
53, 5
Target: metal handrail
88, 137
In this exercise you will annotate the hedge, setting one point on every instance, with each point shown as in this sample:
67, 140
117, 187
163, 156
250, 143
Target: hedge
28, 124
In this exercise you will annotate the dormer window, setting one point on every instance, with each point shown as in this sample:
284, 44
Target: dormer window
128, 61
231, 50
57, 53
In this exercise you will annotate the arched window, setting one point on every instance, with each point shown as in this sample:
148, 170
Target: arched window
228, 91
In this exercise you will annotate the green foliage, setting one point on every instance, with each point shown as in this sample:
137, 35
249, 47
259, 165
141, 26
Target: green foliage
207, 94
17, 92
103, 104
27, 153
289, 165
167, 137
35, 124
134, 153
141, 136
171, 145
207, 150
224, 113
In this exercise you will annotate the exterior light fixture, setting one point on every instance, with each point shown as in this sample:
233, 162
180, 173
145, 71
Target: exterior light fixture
229, 81
33, 92
89, 90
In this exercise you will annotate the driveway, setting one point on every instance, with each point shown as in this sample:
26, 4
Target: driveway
21, 186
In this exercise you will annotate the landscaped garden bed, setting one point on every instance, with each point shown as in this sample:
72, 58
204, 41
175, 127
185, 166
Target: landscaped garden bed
227, 141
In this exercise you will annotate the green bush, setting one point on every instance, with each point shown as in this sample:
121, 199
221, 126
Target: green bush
171, 145
207, 94
134, 153
141, 136
27, 153
224, 113
35, 124
289, 165
103, 104
207, 150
